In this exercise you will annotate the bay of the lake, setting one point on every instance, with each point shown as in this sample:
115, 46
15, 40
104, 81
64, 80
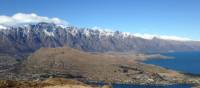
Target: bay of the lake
187, 62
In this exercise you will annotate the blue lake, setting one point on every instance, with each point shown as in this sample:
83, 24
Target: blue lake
188, 62
148, 86
142, 86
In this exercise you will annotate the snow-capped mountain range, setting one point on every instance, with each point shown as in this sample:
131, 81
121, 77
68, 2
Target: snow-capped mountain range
103, 32
30, 37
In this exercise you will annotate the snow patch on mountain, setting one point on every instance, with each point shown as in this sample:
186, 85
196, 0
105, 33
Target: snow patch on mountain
48, 33
103, 31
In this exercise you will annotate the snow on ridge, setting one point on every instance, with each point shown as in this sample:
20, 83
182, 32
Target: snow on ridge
104, 31
62, 26
108, 32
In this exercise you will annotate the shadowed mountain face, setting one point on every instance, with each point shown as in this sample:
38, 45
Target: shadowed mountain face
30, 37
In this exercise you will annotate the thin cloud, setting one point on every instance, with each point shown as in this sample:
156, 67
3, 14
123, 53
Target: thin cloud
166, 37
145, 35
20, 18
2, 27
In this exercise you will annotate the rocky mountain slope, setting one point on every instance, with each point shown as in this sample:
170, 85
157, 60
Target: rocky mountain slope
26, 38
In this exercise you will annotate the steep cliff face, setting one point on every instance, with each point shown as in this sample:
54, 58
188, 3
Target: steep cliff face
30, 37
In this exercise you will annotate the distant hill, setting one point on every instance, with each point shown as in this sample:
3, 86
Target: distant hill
71, 63
75, 63
26, 38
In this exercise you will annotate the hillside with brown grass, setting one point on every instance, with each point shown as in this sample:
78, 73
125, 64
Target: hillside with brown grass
101, 67
48, 83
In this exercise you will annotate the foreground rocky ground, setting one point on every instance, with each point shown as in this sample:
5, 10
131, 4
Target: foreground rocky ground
91, 67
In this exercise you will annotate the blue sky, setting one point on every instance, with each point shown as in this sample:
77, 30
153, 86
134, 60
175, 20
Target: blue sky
162, 17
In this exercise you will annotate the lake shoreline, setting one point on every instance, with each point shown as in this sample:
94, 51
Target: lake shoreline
190, 77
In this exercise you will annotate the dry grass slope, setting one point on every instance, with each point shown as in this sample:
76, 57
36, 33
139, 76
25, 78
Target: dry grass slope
106, 67
49, 83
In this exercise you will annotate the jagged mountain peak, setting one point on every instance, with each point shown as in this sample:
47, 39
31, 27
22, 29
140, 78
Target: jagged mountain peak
50, 28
